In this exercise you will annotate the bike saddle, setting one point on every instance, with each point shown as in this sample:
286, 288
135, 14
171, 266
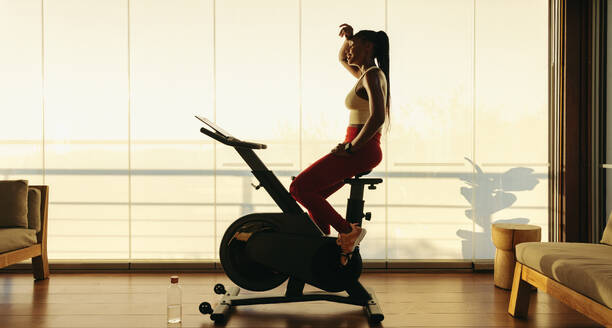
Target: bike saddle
357, 176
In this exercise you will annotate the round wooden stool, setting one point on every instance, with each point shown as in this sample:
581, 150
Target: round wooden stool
505, 236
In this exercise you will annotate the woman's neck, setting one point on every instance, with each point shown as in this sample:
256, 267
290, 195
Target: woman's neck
364, 67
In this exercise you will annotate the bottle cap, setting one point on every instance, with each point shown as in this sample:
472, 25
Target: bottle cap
174, 279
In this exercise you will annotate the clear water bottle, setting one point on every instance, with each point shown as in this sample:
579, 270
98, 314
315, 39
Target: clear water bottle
175, 311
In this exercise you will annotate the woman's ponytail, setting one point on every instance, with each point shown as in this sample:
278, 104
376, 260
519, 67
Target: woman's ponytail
382, 57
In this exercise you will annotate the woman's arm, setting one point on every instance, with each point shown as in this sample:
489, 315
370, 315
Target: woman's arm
376, 96
354, 70
347, 31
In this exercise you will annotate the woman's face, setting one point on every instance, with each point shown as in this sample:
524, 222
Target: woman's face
358, 50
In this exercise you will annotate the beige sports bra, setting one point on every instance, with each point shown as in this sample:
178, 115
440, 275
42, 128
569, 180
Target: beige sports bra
359, 108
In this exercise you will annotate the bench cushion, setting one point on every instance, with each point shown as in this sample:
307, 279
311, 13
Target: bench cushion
16, 238
14, 204
584, 268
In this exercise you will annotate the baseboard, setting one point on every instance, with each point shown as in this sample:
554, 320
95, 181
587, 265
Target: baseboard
122, 266
484, 265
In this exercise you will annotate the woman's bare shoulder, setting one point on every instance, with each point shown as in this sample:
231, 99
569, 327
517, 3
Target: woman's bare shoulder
374, 77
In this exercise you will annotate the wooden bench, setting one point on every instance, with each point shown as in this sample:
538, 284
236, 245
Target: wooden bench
38, 251
577, 274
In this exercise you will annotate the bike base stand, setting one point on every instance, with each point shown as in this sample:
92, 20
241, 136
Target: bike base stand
220, 313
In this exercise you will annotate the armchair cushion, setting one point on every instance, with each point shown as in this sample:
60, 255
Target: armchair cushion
14, 204
34, 209
16, 238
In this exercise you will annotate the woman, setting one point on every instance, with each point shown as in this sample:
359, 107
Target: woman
368, 104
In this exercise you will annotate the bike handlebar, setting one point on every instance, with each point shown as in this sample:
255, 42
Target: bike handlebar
231, 141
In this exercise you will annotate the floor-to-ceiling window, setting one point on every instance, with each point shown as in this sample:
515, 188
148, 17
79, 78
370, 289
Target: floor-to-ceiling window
97, 100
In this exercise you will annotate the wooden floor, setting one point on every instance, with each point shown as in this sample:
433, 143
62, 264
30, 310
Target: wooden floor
139, 300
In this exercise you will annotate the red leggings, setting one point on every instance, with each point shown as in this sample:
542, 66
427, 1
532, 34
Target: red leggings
325, 176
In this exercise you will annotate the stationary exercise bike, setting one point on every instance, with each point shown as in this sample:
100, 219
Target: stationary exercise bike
260, 251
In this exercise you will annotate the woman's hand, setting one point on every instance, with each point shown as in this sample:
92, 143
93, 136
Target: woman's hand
339, 150
346, 30
339, 147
